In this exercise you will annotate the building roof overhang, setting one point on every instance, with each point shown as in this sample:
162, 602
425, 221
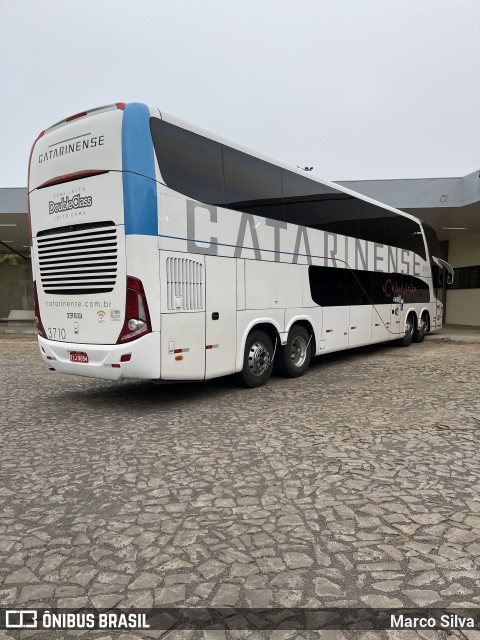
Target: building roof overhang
450, 205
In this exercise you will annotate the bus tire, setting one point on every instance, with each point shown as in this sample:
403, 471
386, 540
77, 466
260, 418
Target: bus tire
293, 359
257, 360
420, 331
426, 319
406, 341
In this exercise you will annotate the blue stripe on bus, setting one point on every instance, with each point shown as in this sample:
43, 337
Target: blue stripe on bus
139, 186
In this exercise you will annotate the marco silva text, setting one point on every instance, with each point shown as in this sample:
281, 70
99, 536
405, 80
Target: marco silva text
445, 621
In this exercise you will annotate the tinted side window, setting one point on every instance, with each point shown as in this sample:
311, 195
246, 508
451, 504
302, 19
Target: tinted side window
303, 201
327, 286
405, 233
409, 288
341, 213
252, 185
359, 285
373, 222
354, 217
331, 287
432, 241
189, 163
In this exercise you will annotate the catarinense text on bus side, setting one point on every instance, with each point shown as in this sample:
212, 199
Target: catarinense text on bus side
335, 251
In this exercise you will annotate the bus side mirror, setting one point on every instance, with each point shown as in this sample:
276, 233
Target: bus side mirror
444, 266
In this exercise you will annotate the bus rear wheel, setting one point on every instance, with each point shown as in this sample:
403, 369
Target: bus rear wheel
257, 360
420, 331
294, 359
406, 341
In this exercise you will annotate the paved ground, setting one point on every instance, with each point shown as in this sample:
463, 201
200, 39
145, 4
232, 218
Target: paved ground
356, 485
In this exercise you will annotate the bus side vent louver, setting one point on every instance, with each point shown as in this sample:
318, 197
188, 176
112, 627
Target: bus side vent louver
184, 285
78, 259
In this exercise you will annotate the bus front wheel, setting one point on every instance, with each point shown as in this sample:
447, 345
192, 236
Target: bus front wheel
293, 360
257, 360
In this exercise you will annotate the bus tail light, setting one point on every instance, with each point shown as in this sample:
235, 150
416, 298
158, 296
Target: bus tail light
38, 319
30, 242
77, 115
70, 177
137, 319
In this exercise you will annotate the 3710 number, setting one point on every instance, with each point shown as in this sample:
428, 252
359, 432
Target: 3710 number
56, 333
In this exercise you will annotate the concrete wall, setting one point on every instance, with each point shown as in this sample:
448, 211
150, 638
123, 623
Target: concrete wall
464, 252
463, 305
15, 288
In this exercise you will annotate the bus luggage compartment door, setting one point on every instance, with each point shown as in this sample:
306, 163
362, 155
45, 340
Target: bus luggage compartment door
381, 322
221, 314
182, 295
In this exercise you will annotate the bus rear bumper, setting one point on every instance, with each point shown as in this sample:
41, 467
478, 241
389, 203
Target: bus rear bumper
105, 361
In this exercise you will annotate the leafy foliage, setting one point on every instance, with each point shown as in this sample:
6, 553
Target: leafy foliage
11, 258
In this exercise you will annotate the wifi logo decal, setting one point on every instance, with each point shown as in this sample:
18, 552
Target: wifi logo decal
101, 316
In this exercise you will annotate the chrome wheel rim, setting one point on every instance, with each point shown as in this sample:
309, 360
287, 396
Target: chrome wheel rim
409, 328
299, 351
259, 358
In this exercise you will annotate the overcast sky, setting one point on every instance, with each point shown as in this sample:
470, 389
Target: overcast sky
358, 89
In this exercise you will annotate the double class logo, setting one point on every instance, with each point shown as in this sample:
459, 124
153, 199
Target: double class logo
67, 204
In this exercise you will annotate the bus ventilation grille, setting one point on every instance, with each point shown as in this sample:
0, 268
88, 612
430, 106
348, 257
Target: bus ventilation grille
78, 259
185, 290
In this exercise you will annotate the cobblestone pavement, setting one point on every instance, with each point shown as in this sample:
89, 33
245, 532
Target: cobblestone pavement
356, 485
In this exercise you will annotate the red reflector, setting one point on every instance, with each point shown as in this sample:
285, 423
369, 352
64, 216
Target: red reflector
177, 350
121, 105
126, 358
135, 284
209, 346
69, 177
77, 115
28, 190
115, 366
38, 319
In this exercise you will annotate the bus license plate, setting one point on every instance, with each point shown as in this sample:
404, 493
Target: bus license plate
78, 356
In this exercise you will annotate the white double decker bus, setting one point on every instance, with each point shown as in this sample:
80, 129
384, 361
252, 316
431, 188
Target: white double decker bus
162, 252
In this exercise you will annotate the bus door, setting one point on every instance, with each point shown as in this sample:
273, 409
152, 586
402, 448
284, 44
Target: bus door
336, 312
381, 322
182, 295
397, 315
221, 315
385, 319
397, 320
359, 326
